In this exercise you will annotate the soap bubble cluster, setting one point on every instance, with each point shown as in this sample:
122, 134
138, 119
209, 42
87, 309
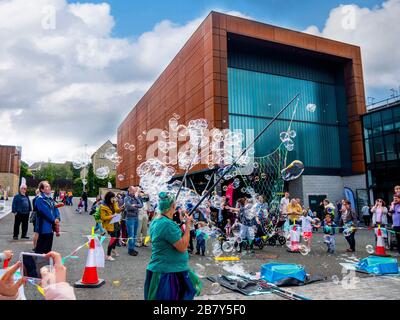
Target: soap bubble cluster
102, 172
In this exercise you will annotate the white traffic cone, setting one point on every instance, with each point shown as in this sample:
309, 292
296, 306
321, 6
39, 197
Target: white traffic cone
90, 278
294, 239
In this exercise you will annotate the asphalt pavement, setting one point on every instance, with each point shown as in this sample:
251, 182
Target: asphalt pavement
124, 277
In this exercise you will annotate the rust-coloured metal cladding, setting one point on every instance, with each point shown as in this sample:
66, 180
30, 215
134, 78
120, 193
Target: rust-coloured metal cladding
195, 85
9, 160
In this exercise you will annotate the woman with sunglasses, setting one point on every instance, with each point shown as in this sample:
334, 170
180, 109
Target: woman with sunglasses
379, 213
168, 276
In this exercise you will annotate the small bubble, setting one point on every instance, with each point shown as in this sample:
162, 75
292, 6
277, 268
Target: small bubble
139, 157
370, 249
200, 270
132, 147
126, 145
215, 288
140, 138
121, 177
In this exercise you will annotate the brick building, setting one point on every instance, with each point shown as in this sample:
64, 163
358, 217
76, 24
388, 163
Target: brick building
237, 74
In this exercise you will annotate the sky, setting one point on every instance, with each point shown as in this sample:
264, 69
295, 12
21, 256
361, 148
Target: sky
70, 71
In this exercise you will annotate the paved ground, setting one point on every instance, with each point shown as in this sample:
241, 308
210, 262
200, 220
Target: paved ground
125, 276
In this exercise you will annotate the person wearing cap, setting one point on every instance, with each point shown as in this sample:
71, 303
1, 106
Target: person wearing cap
168, 275
21, 207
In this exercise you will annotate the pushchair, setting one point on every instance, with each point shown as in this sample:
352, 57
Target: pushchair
268, 235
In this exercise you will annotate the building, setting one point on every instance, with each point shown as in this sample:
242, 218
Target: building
99, 159
10, 163
238, 74
382, 149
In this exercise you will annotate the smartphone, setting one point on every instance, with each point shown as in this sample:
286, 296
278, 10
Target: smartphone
31, 263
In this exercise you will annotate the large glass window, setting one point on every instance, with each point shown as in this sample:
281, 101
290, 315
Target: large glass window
369, 151
390, 145
367, 126
396, 117
387, 120
376, 124
379, 151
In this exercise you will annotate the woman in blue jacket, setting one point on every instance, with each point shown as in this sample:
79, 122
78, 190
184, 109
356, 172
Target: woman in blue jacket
47, 217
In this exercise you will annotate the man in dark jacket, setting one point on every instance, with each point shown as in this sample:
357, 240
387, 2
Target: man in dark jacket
47, 217
21, 207
132, 204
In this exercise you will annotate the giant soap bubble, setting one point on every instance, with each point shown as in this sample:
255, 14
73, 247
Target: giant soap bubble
293, 171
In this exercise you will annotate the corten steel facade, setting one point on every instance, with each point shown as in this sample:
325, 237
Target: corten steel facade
195, 85
10, 160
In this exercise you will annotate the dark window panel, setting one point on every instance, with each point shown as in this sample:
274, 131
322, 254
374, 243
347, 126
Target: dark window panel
376, 124
390, 146
379, 150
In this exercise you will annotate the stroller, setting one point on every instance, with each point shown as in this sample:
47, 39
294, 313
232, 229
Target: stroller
268, 235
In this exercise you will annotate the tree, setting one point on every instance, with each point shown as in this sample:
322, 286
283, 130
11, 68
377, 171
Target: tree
47, 172
25, 171
78, 187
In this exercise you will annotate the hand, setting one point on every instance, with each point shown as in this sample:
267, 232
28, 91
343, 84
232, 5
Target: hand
57, 221
59, 273
189, 218
7, 286
9, 254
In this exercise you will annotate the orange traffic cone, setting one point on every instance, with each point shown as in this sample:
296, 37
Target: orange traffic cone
380, 244
294, 240
90, 278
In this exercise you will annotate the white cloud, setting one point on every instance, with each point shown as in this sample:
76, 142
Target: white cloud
70, 85
377, 32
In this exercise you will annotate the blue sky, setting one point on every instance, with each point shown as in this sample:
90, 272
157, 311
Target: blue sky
134, 17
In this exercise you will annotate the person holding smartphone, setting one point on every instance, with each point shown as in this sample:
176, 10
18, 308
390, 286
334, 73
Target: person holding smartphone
53, 282
108, 210
379, 213
394, 212
47, 218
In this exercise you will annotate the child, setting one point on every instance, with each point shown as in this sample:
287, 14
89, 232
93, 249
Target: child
200, 238
80, 206
306, 227
329, 231
228, 228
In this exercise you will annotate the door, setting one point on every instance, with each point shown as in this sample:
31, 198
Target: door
315, 204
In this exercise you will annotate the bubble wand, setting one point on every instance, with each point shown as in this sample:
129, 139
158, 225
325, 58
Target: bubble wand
243, 152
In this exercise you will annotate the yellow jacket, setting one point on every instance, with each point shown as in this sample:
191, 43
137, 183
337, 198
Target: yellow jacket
292, 210
106, 215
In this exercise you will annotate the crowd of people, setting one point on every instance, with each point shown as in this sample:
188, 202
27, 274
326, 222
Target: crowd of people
176, 230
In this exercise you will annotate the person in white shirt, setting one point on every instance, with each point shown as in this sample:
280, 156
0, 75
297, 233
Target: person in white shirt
306, 227
282, 208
